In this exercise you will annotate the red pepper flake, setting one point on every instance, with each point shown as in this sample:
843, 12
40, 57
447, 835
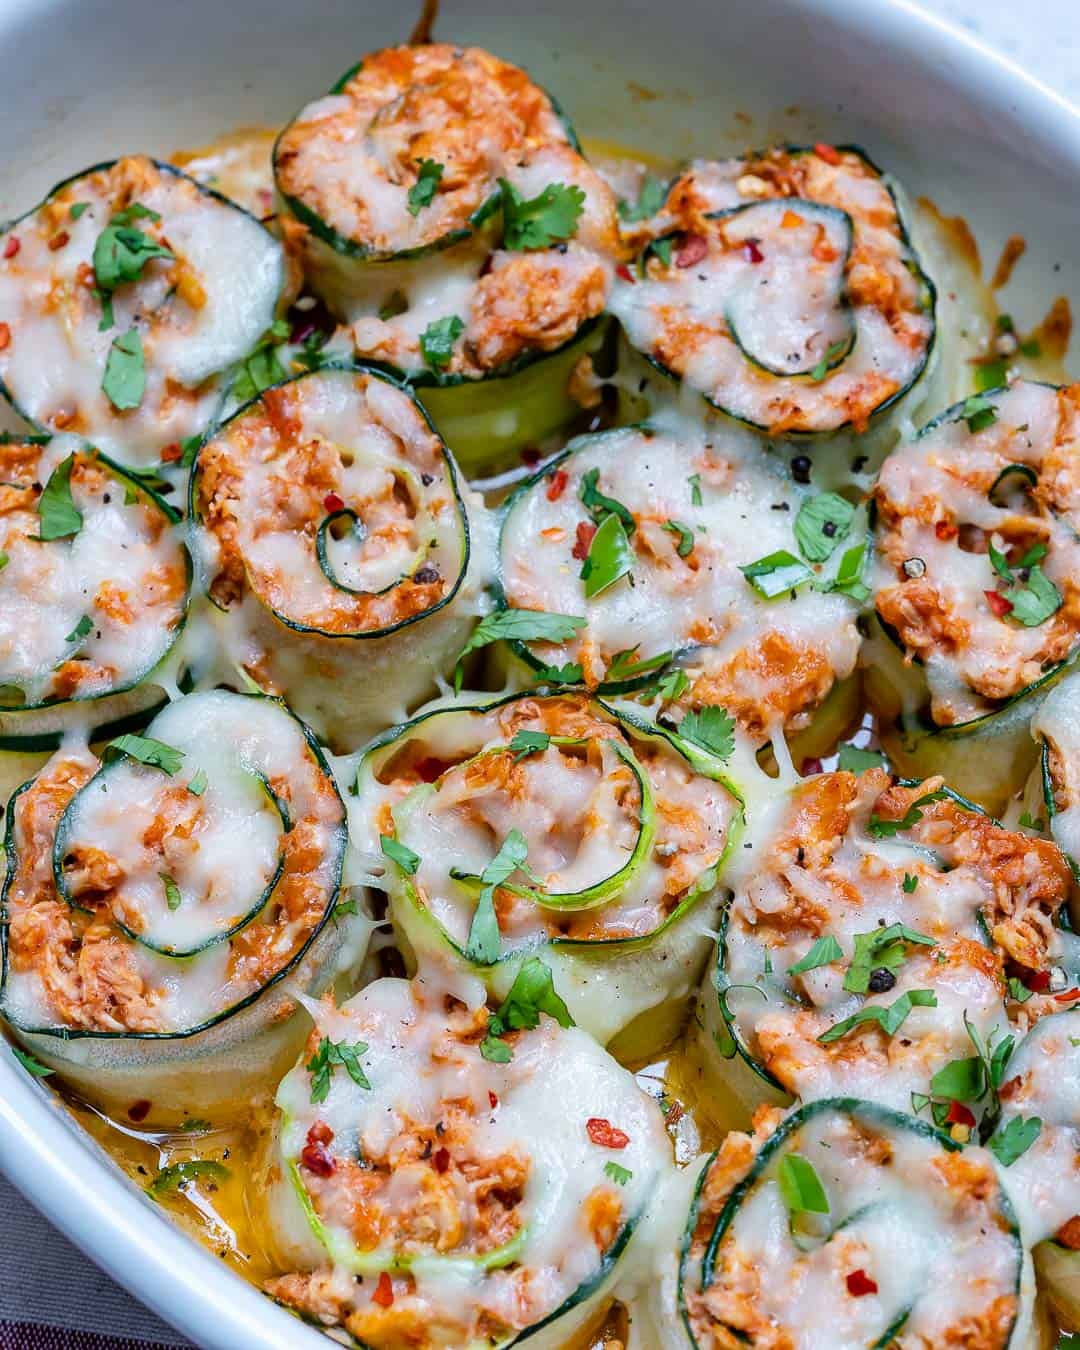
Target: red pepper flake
752, 253
945, 530
530, 455
493, 1101
441, 1159
171, 452
998, 603
384, 1292
5, 336
958, 1114
810, 766
12, 246
624, 274
827, 152
314, 1156
605, 1134
1038, 981
138, 1111
333, 502
1068, 996
557, 482
860, 1284
692, 248
431, 768
58, 241
585, 532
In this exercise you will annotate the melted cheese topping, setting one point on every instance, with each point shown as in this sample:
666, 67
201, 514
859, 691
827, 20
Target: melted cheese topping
76, 963
952, 877
784, 290
353, 156
197, 313
92, 613
512, 304
1043, 1081
442, 1162
334, 502
238, 165
916, 1242
771, 662
452, 790
1057, 722
938, 504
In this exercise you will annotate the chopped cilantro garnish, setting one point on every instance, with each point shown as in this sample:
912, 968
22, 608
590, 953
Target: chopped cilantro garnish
685, 534
57, 511
889, 1019
619, 1175
329, 1056
180, 1175
824, 952
540, 221
31, 1064
483, 942
173, 898
422, 192
519, 625
532, 993
438, 338
695, 489
978, 412
609, 558
881, 828
399, 853
852, 759
122, 250
821, 370
821, 524
909, 883
599, 506
713, 729
197, 785
650, 199
147, 751
81, 629
801, 1186
881, 948
124, 382
1016, 1138
623, 666
776, 573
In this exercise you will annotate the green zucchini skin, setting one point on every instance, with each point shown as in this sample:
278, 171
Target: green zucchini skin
701, 1271
625, 967
181, 1070
349, 684
30, 732
928, 302
222, 379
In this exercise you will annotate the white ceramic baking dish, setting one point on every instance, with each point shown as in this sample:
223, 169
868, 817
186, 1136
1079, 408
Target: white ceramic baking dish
84, 82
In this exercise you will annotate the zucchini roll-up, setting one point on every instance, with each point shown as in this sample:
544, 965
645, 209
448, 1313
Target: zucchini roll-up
977, 583
551, 825
443, 209
783, 288
689, 547
124, 298
866, 946
94, 585
846, 1225
140, 942
335, 543
1038, 1144
435, 1187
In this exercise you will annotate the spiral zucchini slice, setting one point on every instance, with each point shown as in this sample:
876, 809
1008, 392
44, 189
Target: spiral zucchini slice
1038, 1146
94, 582
424, 1189
784, 289
866, 945
849, 1225
975, 581
721, 569
140, 944
552, 825
463, 239
125, 299
335, 543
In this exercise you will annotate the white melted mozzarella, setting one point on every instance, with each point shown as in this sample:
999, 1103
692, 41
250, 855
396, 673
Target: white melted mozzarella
1057, 722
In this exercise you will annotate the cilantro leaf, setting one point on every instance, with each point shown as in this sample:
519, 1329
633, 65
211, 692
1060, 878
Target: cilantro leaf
81, 629
650, 199
173, 898
438, 338
526, 743
623, 666
800, 1186
881, 948
1035, 601
888, 829
961, 1080
147, 751
329, 1056
599, 506
821, 370
695, 489
197, 785
122, 250
609, 558
124, 382
57, 511
399, 853
482, 946
1015, 1139
824, 952
492, 1048
889, 1019
909, 884
685, 545
776, 573
258, 371
31, 1064
519, 625
77, 208
532, 993
852, 759
541, 221
848, 580
618, 1174
1018, 991
713, 729
422, 192
180, 1175
821, 524
978, 412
